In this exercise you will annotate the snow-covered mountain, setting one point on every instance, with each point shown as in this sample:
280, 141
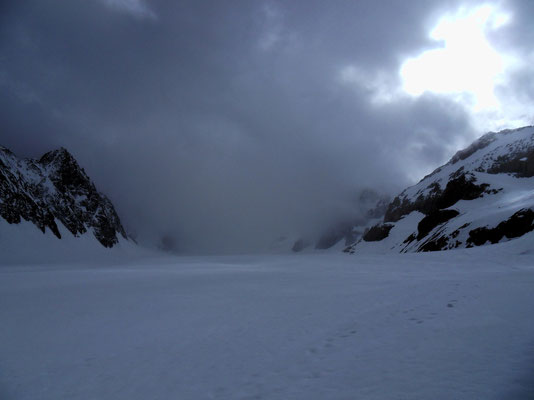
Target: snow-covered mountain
483, 195
53, 192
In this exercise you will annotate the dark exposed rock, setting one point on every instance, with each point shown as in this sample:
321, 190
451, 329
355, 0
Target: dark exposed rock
432, 220
377, 233
457, 173
462, 187
398, 208
515, 226
435, 244
409, 239
521, 164
55, 188
458, 189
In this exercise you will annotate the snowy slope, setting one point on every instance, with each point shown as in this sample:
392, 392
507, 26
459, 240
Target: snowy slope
52, 193
24, 243
444, 325
484, 195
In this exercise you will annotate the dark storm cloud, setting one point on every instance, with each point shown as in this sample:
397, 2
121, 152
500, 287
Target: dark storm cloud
517, 38
224, 124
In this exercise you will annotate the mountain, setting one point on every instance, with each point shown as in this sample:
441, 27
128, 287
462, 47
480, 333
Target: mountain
55, 191
369, 207
483, 195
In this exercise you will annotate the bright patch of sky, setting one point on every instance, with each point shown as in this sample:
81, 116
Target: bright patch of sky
466, 64
467, 67
464, 67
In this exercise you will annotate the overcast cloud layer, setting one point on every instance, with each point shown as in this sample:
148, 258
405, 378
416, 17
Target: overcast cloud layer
226, 124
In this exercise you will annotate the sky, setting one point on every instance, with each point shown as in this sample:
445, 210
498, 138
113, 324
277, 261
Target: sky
224, 125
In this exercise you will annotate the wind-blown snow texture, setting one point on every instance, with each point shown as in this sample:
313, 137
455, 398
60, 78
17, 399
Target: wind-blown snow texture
444, 325
483, 195
52, 192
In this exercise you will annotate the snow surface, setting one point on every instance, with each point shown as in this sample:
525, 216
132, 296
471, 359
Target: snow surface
24, 243
447, 325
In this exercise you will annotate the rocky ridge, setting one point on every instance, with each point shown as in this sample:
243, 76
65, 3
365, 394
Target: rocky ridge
56, 190
484, 194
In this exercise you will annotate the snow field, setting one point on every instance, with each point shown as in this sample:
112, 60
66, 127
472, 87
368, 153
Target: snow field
448, 325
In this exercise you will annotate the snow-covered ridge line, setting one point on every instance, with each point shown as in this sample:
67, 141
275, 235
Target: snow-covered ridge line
55, 190
484, 194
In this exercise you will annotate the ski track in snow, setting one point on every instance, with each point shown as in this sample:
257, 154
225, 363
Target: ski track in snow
448, 325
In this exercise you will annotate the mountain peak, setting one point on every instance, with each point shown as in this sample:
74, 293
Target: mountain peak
55, 189
58, 156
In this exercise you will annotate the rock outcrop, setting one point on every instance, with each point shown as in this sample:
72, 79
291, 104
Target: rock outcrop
53, 190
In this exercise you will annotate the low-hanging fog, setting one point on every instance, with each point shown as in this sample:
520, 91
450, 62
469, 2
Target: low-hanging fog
223, 125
